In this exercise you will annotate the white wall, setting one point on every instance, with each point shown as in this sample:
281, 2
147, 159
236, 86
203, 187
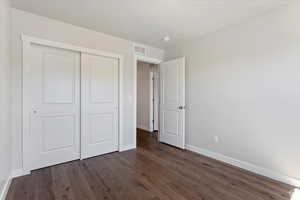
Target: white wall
33, 25
243, 85
5, 94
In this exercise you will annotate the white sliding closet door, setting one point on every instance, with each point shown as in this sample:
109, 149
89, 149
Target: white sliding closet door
52, 91
99, 105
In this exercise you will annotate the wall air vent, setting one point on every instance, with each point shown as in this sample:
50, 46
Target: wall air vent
140, 50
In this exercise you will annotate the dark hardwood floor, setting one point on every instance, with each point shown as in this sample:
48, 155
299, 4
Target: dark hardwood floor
152, 172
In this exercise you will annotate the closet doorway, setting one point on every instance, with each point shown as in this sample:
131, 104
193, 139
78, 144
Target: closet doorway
71, 103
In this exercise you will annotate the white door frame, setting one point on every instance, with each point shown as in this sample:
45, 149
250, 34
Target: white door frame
135, 65
151, 107
27, 41
156, 96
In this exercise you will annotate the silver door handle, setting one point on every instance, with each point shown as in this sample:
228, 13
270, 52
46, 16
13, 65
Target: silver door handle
181, 107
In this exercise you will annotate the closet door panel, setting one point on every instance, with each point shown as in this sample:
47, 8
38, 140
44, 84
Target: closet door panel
100, 102
54, 105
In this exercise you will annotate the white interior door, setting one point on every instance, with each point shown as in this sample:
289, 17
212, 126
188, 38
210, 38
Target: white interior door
172, 102
53, 85
99, 105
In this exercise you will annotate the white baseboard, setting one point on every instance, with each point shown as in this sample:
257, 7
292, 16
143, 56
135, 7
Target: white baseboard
5, 189
15, 173
145, 128
18, 172
127, 147
247, 166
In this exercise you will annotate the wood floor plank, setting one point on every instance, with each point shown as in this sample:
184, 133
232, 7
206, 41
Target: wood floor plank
153, 171
61, 186
197, 188
113, 179
96, 183
211, 177
78, 182
43, 189
22, 188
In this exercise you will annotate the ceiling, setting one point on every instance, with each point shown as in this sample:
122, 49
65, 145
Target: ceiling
148, 21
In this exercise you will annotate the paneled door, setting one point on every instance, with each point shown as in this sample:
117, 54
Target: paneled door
172, 102
52, 84
99, 105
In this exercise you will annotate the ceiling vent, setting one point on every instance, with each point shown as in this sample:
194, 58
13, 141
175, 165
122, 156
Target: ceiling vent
140, 50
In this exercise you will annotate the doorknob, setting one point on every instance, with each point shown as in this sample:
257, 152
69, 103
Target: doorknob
34, 112
181, 107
